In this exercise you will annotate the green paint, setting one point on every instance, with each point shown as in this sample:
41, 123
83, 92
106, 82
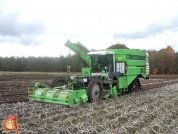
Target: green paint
116, 68
135, 57
86, 71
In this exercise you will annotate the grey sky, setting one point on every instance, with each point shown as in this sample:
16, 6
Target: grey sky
152, 29
14, 30
28, 26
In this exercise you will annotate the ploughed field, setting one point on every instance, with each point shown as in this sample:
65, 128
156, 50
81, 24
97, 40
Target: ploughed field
153, 110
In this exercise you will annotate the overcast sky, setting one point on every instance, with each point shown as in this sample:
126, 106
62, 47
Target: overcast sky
41, 27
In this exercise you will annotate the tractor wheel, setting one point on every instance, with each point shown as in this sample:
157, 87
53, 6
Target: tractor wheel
58, 81
134, 86
95, 90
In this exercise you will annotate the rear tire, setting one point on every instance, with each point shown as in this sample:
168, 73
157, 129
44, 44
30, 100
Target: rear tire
95, 90
58, 81
135, 86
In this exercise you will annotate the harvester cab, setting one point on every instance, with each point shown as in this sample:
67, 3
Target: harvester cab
101, 62
110, 72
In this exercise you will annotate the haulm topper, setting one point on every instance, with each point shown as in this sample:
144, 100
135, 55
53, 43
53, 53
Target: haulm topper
108, 73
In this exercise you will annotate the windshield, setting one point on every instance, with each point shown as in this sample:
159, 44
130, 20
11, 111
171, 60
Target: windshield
102, 63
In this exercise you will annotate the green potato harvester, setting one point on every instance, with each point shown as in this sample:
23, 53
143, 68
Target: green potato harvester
109, 73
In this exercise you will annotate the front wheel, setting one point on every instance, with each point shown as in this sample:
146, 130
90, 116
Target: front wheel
58, 81
95, 90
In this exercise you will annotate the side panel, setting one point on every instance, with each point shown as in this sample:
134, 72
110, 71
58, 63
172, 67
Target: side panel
136, 61
130, 79
131, 57
122, 82
125, 81
133, 70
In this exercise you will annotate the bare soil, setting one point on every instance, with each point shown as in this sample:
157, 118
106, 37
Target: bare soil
14, 88
152, 111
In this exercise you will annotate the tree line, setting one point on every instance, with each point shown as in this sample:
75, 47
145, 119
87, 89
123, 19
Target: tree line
164, 61
41, 64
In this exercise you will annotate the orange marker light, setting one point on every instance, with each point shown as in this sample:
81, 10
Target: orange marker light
30, 92
67, 97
